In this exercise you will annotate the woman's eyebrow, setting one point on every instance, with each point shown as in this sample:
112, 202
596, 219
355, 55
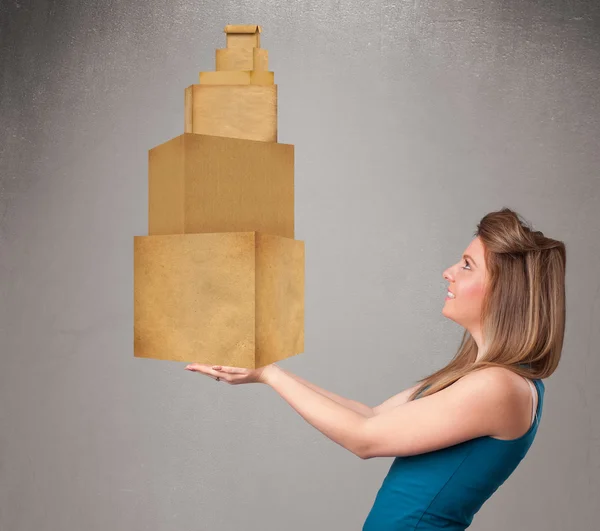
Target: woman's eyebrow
469, 256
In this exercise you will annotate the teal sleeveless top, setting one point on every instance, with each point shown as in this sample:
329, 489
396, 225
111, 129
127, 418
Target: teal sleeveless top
444, 489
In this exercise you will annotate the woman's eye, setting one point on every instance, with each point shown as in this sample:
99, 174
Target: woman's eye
467, 263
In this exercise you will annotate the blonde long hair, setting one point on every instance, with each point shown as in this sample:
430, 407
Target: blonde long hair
523, 312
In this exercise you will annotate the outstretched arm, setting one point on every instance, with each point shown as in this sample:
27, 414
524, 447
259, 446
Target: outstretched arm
340, 424
362, 409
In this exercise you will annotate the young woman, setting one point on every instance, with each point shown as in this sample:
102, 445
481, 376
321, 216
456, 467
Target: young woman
458, 434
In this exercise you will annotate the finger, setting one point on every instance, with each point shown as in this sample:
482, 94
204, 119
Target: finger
233, 370
205, 370
198, 367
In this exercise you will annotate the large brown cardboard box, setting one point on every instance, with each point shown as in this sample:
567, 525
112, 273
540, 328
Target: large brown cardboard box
229, 298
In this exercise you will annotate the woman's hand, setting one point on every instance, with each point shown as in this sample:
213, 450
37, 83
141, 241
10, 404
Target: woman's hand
233, 375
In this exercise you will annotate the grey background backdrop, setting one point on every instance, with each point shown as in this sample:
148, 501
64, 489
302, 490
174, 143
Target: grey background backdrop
411, 120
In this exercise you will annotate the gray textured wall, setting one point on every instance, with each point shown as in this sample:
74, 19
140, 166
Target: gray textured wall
411, 120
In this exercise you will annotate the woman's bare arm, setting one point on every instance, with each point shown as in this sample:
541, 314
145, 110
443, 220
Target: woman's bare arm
396, 400
362, 409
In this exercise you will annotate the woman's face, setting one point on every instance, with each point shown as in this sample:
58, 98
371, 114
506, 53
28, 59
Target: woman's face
467, 281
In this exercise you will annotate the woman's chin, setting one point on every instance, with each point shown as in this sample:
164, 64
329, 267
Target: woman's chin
446, 312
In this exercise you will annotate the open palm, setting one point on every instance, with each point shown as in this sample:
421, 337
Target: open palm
232, 375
